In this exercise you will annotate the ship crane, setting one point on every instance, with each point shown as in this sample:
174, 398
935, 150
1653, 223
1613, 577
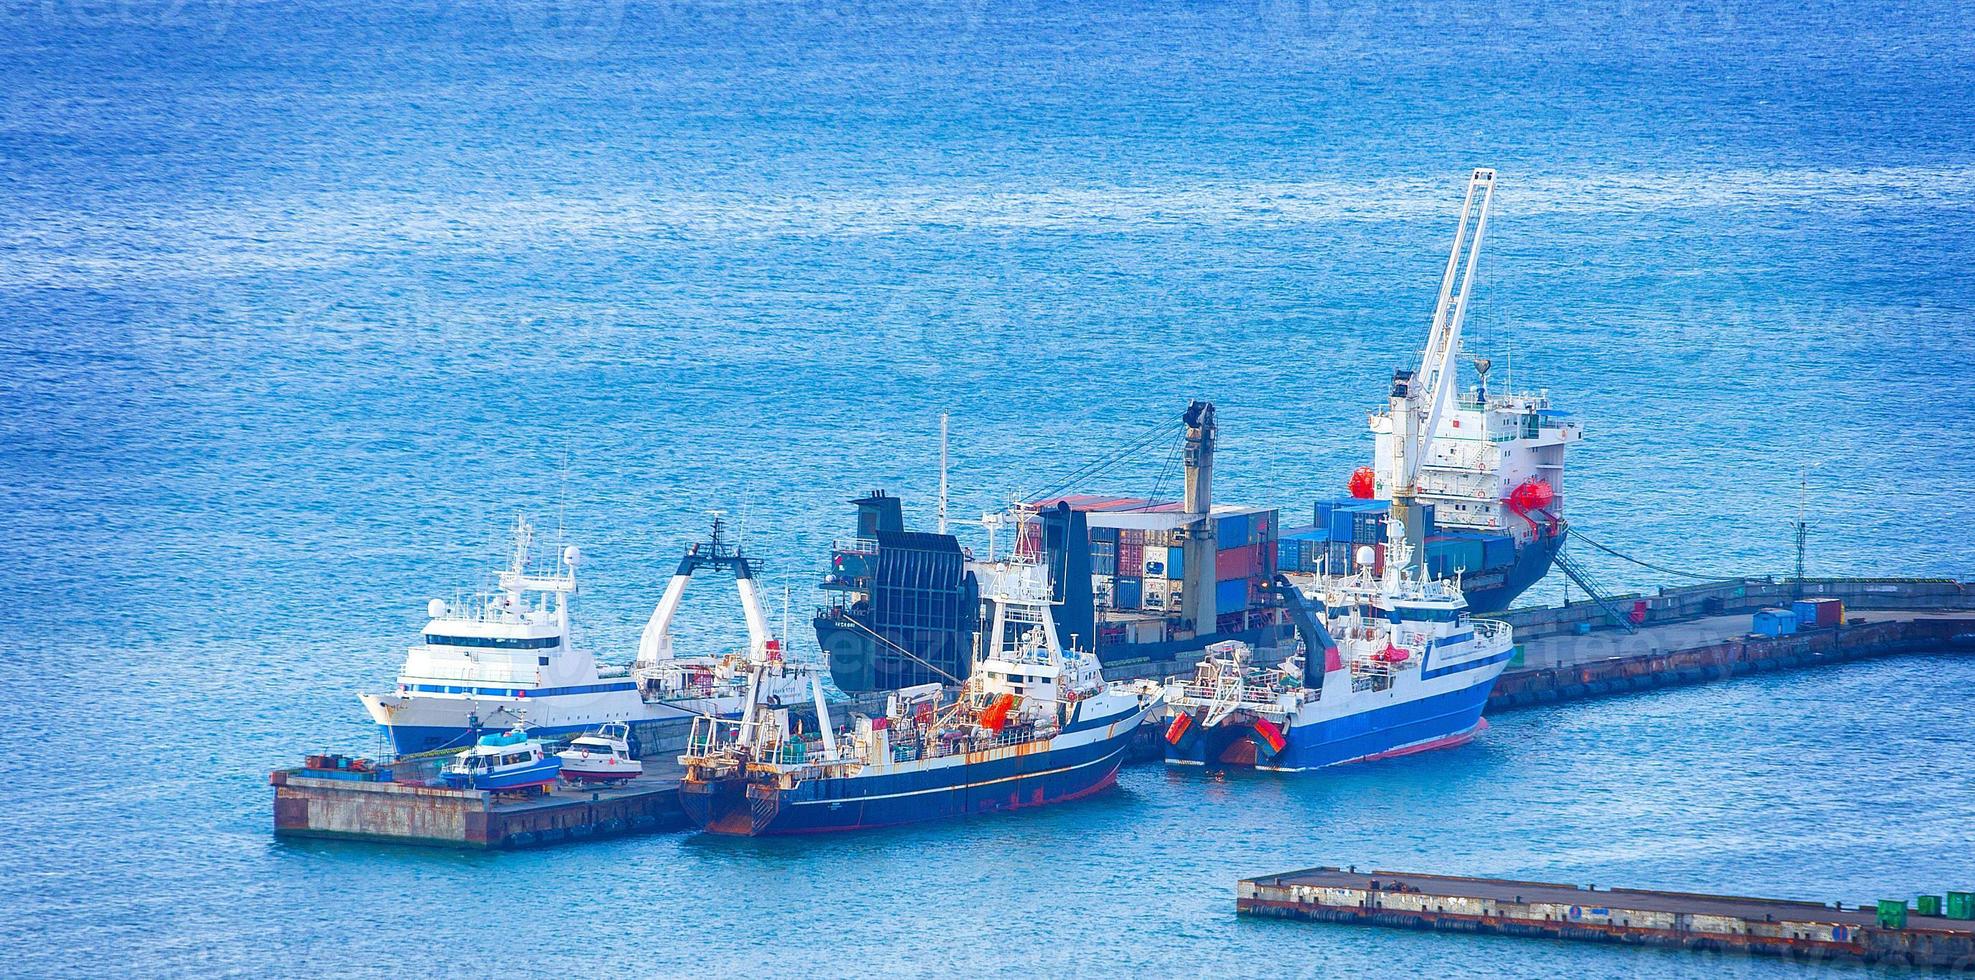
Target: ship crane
1420, 399
655, 645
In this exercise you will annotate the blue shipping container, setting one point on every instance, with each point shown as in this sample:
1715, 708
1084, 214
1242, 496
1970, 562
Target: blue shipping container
1230, 596
1774, 622
1175, 563
1127, 593
1231, 531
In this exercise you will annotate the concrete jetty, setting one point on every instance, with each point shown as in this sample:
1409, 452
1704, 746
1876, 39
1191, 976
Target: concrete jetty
1806, 931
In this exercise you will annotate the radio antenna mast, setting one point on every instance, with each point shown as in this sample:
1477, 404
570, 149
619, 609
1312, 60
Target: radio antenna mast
942, 472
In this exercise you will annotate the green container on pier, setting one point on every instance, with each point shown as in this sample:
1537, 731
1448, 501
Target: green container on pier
1892, 913
1961, 905
1927, 905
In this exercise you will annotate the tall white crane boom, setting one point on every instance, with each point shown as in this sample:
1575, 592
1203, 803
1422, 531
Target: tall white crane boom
1440, 362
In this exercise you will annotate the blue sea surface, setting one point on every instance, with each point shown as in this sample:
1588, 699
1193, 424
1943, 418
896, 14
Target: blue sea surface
301, 303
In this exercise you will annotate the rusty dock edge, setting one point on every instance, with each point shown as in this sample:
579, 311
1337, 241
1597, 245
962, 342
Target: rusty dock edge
409, 813
1803, 931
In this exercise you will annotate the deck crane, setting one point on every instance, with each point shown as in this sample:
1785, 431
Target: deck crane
656, 642
1421, 398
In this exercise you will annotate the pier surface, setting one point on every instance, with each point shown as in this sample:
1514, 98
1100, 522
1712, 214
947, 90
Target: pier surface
407, 811
1800, 930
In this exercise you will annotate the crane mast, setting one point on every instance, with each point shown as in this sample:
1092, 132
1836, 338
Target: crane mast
1422, 398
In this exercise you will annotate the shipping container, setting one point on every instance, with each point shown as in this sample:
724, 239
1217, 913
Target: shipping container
1892, 913
1321, 516
1131, 535
1231, 597
1154, 564
1929, 905
1128, 593
1231, 531
1337, 560
1961, 905
1175, 562
1238, 563
1814, 613
1497, 550
1773, 622
1155, 594
1261, 526
1367, 526
1131, 558
1108, 535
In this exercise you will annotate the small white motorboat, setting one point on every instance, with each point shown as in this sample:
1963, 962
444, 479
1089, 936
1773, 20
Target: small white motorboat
602, 756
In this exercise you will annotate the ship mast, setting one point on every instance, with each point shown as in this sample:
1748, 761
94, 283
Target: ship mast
1420, 399
1197, 600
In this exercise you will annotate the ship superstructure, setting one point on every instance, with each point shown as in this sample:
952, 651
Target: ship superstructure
1476, 476
1033, 723
491, 659
1393, 664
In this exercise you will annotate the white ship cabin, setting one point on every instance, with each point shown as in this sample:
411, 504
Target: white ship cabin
512, 639
1485, 446
1020, 651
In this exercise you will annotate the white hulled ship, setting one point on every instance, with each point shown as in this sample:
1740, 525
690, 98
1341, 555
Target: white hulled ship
489, 658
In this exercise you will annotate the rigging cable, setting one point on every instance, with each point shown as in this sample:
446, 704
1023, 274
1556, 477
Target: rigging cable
1576, 534
1086, 471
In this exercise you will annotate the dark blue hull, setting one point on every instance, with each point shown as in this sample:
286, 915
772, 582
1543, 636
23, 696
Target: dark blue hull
1414, 726
734, 806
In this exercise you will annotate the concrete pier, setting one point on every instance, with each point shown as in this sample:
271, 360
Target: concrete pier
1803, 931
403, 810
1571, 667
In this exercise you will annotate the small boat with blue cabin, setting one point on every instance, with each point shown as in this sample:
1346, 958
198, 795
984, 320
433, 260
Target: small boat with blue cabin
507, 762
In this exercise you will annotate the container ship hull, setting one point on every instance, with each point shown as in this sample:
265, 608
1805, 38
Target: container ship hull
991, 781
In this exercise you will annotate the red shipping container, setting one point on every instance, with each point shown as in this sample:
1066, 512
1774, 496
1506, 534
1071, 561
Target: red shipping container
1131, 558
1131, 535
1234, 563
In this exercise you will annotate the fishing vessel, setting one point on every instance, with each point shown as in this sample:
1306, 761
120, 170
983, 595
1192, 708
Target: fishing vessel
602, 756
1393, 661
1033, 723
487, 657
1395, 665
509, 761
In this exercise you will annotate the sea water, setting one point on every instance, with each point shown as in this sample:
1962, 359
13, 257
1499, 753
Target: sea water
301, 304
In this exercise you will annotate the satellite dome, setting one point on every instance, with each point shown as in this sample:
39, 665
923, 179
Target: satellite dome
571, 555
436, 609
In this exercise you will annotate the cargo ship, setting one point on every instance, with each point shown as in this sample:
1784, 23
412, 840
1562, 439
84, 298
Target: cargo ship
493, 659
1393, 662
1033, 723
1147, 580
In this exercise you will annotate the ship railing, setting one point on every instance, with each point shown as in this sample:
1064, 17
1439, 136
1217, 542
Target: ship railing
1492, 629
1250, 695
855, 546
